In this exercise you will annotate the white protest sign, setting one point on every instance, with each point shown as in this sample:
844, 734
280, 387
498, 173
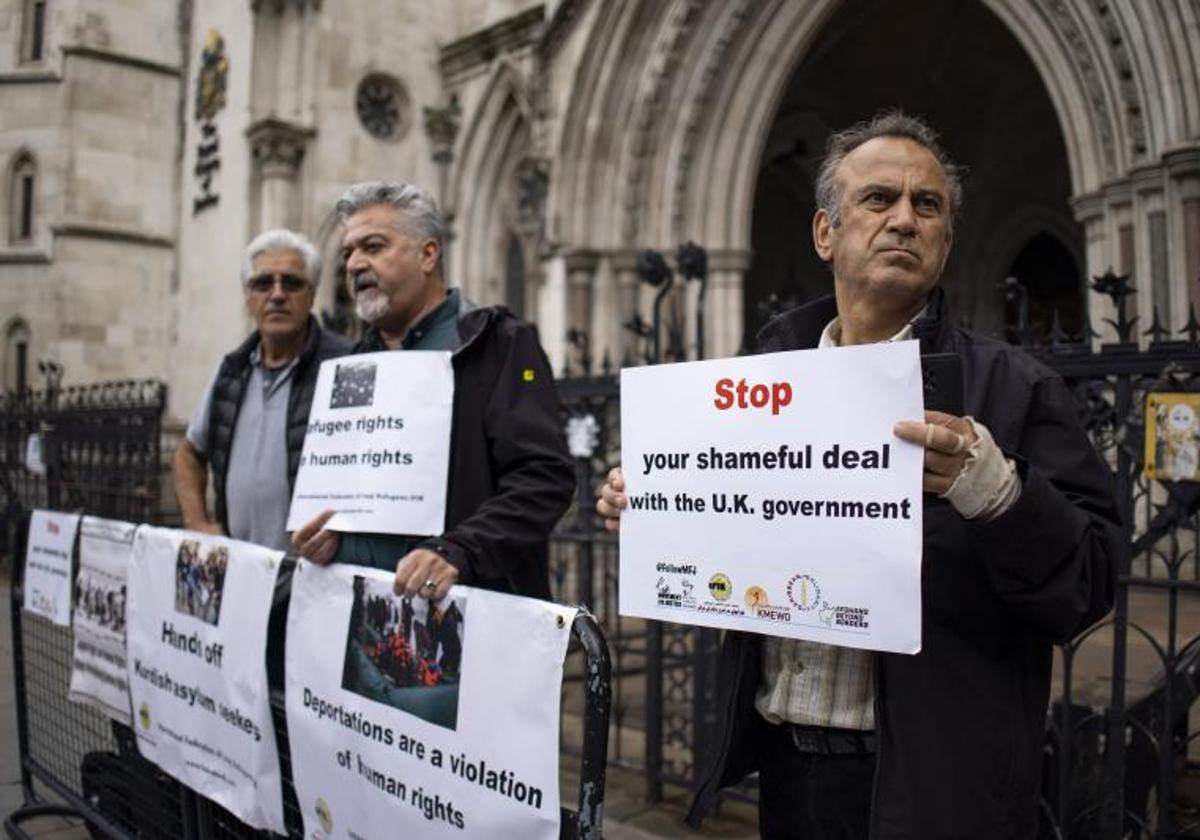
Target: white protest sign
197, 638
404, 722
98, 672
769, 494
377, 449
47, 582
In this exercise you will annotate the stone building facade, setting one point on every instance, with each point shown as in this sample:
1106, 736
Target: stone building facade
143, 143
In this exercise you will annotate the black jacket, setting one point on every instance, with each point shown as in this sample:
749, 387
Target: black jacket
511, 477
230, 386
960, 725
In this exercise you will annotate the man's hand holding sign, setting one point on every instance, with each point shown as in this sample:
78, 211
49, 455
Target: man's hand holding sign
420, 572
947, 441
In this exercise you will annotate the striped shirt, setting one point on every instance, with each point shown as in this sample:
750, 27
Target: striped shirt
813, 684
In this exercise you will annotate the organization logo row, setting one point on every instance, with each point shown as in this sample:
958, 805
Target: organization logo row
679, 586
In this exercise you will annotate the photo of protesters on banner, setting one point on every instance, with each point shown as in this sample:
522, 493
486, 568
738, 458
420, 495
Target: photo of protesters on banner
353, 385
405, 652
101, 605
200, 582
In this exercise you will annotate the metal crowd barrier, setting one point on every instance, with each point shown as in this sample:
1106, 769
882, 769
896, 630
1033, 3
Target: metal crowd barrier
92, 766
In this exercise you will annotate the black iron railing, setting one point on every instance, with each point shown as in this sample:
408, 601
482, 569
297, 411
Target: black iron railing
1118, 748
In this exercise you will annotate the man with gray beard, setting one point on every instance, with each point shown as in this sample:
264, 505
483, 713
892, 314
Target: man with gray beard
510, 474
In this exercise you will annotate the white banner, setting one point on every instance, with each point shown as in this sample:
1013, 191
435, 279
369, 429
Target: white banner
47, 582
377, 449
410, 722
98, 672
197, 635
769, 494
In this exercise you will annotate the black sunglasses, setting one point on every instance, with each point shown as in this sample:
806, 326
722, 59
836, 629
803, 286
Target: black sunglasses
266, 282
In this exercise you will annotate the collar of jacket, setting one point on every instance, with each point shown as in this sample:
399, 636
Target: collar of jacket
801, 327
312, 339
473, 321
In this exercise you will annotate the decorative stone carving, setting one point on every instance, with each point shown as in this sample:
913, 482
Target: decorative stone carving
664, 65
210, 100
464, 56
212, 78
566, 15
1062, 19
1118, 50
277, 147
442, 125
533, 185
700, 108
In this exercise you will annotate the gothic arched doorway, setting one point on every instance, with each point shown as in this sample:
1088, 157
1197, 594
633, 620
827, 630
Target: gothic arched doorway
957, 65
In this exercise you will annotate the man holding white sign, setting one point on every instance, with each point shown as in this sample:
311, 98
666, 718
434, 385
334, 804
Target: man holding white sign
1021, 539
510, 476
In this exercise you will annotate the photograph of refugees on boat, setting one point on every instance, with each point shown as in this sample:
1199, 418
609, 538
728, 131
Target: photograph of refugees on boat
405, 652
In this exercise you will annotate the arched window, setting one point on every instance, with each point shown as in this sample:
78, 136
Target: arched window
16, 355
33, 31
22, 198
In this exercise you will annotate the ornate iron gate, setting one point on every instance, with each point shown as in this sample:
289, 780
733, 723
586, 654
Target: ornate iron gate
1117, 731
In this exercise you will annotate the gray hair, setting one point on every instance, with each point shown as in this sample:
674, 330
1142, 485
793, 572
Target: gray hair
885, 124
281, 239
420, 211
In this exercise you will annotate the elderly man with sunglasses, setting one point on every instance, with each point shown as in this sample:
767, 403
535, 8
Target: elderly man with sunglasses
249, 427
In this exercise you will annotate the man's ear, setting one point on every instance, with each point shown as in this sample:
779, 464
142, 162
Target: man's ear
430, 251
822, 234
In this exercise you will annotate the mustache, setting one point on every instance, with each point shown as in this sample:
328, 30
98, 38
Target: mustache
363, 279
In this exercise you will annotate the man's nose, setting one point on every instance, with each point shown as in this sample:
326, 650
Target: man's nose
903, 219
355, 263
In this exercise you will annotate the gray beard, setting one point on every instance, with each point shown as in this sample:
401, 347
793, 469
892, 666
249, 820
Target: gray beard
370, 305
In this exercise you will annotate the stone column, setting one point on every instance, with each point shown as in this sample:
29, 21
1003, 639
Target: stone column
1155, 295
1183, 195
725, 302
441, 127
551, 311
605, 317
277, 149
285, 58
581, 268
625, 297
1120, 232
1098, 253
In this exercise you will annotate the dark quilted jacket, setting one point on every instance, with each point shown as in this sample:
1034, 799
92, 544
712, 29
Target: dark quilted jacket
230, 385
